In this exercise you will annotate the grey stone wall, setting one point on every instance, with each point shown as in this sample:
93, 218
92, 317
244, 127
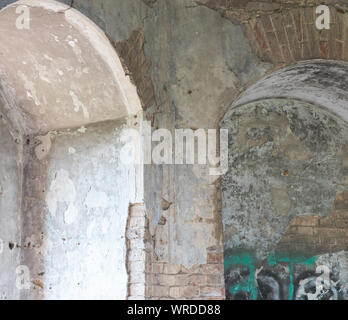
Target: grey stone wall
286, 159
11, 176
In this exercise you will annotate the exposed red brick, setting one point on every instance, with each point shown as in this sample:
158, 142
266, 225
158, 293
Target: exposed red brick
318, 235
212, 269
132, 55
215, 257
159, 291
215, 280
171, 268
274, 45
259, 34
288, 32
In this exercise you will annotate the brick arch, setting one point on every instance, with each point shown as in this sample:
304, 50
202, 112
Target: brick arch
284, 31
290, 36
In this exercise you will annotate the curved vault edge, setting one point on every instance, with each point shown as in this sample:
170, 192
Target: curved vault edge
98, 40
330, 95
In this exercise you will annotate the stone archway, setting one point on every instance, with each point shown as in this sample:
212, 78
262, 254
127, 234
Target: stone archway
69, 103
283, 198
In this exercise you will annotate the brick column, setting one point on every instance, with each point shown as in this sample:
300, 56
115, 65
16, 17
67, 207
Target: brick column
137, 239
175, 282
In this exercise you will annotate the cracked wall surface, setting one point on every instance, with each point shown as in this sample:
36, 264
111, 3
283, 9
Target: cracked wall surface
281, 153
274, 164
66, 229
283, 199
77, 200
190, 60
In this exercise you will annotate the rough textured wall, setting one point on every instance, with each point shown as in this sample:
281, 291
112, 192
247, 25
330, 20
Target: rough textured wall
320, 82
60, 78
191, 90
10, 208
77, 198
198, 62
286, 167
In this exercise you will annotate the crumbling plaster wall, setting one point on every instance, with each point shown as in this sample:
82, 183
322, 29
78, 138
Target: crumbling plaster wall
77, 198
282, 152
191, 90
68, 240
200, 62
284, 195
283, 200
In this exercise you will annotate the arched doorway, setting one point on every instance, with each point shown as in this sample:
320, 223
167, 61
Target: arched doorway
67, 97
283, 198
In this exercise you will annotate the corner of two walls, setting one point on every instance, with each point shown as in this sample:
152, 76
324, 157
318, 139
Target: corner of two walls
76, 197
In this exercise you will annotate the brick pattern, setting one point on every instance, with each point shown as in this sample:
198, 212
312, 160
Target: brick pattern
318, 235
137, 66
175, 282
289, 36
243, 10
284, 31
149, 278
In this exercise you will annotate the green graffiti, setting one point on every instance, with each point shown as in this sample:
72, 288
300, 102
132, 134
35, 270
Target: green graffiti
247, 260
274, 259
248, 285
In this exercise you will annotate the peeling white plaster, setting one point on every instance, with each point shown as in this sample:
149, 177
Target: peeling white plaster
29, 85
62, 189
82, 129
43, 73
70, 215
78, 104
90, 229
48, 57
96, 199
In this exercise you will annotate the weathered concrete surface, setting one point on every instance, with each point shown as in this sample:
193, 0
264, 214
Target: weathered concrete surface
286, 159
75, 226
281, 153
320, 82
200, 63
197, 88
10, 206
68, 76
69, 237
193, 90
